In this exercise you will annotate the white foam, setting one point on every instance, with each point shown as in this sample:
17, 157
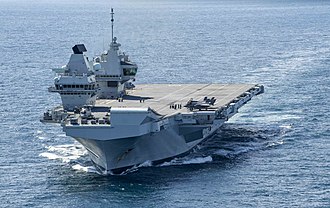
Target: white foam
198, 160
223, 152
267, 117
286, 126
274, 118
41, 137
130, 170
61, 135
68, 149
147, 163
87, 169
65, 153
185, 161
272, 144
52, 156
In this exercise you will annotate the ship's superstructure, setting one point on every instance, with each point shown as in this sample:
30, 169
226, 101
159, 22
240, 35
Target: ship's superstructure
106, 76
75, 82
113, 70
131, 125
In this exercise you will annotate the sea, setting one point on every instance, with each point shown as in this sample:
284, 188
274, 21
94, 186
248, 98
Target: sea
274, 153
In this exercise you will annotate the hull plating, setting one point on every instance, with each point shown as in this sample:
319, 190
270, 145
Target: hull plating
118, 154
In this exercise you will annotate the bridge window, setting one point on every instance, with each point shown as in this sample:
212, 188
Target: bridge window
129, 72
112, 84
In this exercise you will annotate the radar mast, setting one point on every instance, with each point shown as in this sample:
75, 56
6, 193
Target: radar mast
112, 20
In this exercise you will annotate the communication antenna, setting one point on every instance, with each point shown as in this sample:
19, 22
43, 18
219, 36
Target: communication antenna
112, 20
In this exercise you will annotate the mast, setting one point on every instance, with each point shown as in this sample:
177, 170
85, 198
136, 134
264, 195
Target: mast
112, 20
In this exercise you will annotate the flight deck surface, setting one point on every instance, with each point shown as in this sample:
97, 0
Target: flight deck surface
163, 97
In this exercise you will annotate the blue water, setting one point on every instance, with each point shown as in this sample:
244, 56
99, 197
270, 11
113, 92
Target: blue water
274, 153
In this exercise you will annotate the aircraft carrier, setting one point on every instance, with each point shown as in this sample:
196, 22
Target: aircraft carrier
122, 125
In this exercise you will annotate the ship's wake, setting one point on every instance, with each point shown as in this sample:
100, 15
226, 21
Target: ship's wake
235, 140
229, 143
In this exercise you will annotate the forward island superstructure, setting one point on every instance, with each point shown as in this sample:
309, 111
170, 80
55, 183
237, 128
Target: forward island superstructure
122, 125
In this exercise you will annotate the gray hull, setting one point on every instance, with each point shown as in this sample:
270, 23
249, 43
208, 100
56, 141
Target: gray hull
119, 154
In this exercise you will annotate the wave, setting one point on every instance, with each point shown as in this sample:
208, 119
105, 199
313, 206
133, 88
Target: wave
135, 168
274, 144
288, 126
268, 118
66, 153
234, 140
87, 169
187, 161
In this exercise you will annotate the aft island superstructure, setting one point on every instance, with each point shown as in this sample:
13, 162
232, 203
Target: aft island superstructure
122, 125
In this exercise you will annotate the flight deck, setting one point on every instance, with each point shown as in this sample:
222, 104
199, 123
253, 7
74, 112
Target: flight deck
168, 99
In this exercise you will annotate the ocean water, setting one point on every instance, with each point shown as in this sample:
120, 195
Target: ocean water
274, 153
